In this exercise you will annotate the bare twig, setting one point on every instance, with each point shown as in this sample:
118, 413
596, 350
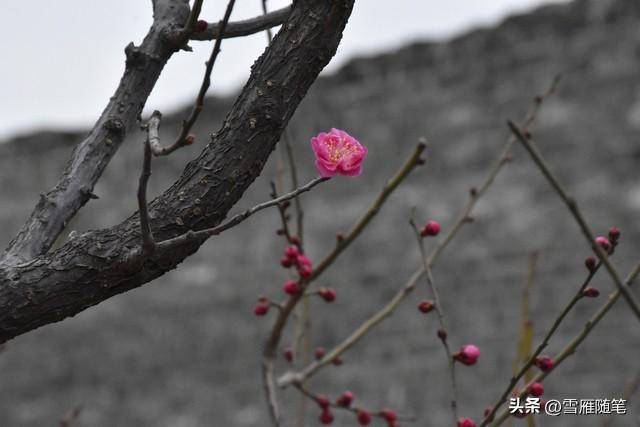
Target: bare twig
206, 82
577, 215
71, 416
575, 342
545, 342
237, 219
148, 244
246, 27
386, 311
523, 350
441, 318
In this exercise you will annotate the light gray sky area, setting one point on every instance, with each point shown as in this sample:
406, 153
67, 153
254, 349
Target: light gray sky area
61, 60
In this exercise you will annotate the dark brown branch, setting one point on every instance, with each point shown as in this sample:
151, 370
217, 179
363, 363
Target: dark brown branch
246, 27
201, 235
206, 82
91, 156
148, 244
97, 265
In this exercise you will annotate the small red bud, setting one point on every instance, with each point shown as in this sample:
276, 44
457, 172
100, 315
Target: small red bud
345, 399
590, 263
305, 271
466, 422
262, 307
604, 243
467, 355
545, 363
442, 334
292, 252
189, 139
288, 354
614, 234
389, 415
431, 228
201, 26
337, 361
339, 237
286, 262
425, 306
291, 287
591, 292
319, 352
326, 417
364, 417
487, 411
536, 389
527, 133
323, 401
327, 294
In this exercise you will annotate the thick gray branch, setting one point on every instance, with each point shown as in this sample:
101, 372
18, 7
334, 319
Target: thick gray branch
91, 156
97, 265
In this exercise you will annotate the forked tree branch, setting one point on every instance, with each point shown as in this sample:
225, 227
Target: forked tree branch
246, 27
91, 156
99, 264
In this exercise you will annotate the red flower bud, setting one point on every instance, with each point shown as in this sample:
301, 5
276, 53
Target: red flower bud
305, 271
291, 287
328, 294
288, 354
262, 307
323, 401
614, 234
319, 352
425, 306
536, 389
442, 334
389, 415
292, 252
591, 292
345, 399
364, 417
591, 264
337, 361
201, 26
604, 243
286, 262
189, 139
467, 355
487, 411
326, 417
431, 228
545, 363
466, 422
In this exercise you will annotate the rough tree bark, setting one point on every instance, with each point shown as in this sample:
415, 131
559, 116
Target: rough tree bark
99, 264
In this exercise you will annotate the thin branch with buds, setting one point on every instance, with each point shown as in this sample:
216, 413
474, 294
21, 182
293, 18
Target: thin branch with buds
575, 342
441, 318
273, 340
237, 219
577, 215
183, 137
545, 342
351, 408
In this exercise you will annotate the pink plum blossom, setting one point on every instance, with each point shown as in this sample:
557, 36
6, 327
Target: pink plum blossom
338, 153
